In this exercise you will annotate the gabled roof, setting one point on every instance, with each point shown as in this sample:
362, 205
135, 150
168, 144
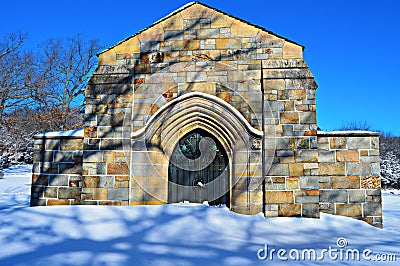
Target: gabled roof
208, 7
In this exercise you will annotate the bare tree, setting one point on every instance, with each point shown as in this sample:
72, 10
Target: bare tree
356, 125
65, 66
11, 42
15, 71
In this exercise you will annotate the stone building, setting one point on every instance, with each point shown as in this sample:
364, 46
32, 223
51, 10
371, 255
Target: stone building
202, 106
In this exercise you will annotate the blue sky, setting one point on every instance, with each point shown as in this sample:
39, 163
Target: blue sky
352, 46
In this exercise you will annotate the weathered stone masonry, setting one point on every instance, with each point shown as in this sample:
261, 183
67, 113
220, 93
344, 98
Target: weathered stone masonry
349, 175
201, 70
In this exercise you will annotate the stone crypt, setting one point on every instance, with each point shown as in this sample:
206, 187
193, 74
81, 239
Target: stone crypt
205, 107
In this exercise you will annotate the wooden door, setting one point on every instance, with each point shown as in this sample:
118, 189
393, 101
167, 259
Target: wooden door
199, 170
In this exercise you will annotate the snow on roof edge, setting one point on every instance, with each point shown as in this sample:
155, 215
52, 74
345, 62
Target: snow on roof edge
76, 133
348, 133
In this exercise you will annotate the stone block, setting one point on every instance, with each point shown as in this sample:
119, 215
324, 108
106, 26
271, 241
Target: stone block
196, 11
67, 157
154, 33
299, 94
289, 118
333, 169
205, 87
50, 192
91, 181
40, 180
310, 210
327, 208
107, 58
375, 169
186, 45
373, 192
92, 156
276, 84
112, 144
338, 143
291, 50
312, 192
292, 183
289, 210
99, 193
375, 143
279, 197
279, 170
361, 169
271, 214
121, 178
173, 23
70, 168
347, 156
69, 193
207, 55
118, 194
309, 182
54, 202
370, 159
359, 143
171, 35
131, 45
228, 43
58, 180
306, 156
296, 169
326, 156
106, 182
370, 182
350, 210
208, 33
43, 156
310, 166
356, 196
278, 143
71, 144
219, 20
117, 169
299, 143
346, 182
307, 199
38, 202
238, 28
51, 144
285, 153
333, 196
308, 118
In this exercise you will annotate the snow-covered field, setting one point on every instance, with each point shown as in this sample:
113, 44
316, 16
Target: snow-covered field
181, 234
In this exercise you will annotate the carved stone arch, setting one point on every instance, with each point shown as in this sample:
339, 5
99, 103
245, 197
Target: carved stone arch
155, 142
224, 121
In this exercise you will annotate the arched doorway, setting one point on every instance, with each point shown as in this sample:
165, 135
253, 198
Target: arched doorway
199, 170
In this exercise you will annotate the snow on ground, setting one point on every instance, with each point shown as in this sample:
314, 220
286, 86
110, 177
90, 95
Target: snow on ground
181, 234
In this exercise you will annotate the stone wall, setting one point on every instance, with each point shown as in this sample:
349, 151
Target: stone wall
57, 168
291, 155
106, 144
349, 175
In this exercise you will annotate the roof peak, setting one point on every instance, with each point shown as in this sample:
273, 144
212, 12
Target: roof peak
184, 7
